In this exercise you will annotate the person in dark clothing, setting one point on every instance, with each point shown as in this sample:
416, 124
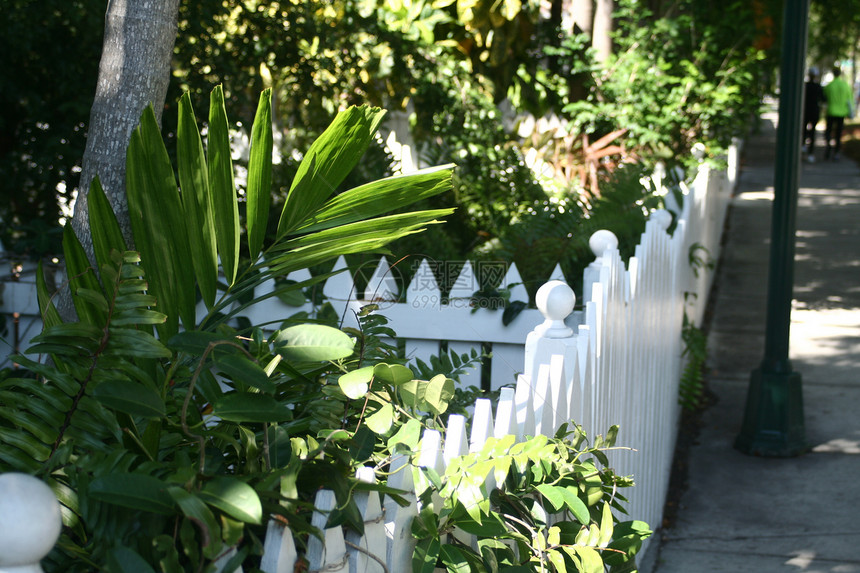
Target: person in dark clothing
813, 98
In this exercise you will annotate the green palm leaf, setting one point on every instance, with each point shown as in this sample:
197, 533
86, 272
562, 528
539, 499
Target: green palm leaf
378, 197
81, 276
196, 201
157, 220
224, 202
328, 161
104, 227
260, 174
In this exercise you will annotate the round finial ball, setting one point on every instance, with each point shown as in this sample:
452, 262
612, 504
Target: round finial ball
30, 520
601, 241
555, 300
662, 217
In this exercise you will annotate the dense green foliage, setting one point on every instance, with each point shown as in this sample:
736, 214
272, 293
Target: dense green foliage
214, 427
50, 59
461, 68
553, 504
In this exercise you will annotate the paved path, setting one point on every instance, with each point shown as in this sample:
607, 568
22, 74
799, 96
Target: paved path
746, 514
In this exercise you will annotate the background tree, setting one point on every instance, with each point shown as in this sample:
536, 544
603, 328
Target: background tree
134, 72
50, 50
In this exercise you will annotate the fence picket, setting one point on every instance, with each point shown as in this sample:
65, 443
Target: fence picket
279, 549
329, 553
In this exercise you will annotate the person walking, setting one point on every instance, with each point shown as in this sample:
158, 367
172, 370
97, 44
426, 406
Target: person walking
839, 101
813, 98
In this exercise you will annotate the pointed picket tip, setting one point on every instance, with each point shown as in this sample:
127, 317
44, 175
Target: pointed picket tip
482, 424
431, 451
341, 286
382, 285
465, 285
455, 438
543, 403
300, 275
331, 549
279, 549
506, 419
524, 408
514, 283
423, 291
557, 274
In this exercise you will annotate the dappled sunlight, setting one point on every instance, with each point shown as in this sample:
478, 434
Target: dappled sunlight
838, 446
810, 562
766, 195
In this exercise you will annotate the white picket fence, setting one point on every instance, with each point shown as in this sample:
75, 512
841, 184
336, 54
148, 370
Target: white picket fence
616, 362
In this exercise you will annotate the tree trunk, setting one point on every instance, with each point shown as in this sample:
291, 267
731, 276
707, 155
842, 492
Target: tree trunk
134, 72
582, 14
601, 38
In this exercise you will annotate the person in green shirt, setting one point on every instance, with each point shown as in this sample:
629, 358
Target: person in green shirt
839, 101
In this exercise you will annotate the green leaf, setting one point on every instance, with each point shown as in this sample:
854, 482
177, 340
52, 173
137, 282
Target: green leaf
137, 343
235, 498
455, 560
131, 398
50, 315
225, 204
490, 526
104, 227
196, 200
395, 374
81, 275
246, 371
627, 542
408, 434
354, 384
195, 342
590, 560
194, 509
244, 407
552, 494
576, 506
158, 222
327, 163
606, 526
557, 561
134, 491
438, 394
425, 555
124, 560
381, 420
313, 342
260, 174
378, 197
34, 448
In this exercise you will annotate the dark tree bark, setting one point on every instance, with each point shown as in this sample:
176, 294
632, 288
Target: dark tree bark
134, 72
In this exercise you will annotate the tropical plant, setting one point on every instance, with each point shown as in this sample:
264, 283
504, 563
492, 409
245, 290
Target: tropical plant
549, 509
692, 75
169, 446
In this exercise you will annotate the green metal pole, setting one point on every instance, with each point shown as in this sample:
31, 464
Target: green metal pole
773, 422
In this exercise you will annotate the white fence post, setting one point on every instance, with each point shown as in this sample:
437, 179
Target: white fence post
30, 523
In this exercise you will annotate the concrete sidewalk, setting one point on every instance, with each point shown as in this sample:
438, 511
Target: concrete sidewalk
746, 514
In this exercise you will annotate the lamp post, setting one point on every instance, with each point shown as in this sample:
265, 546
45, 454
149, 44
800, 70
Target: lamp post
773, 422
